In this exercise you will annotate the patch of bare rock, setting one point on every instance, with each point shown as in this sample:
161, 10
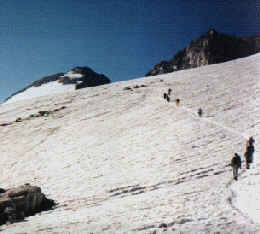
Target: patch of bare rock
134, 87
20, 202
43, 113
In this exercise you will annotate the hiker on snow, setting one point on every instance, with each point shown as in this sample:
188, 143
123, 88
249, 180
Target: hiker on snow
166, 96
235, 164
200, 112
251, 140
169, 92
250, 149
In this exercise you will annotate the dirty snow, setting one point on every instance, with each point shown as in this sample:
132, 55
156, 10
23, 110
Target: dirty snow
126, 161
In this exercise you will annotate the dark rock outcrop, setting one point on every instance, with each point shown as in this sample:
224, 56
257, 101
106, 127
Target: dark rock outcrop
210, 48
89, 78
46, 80
17, 203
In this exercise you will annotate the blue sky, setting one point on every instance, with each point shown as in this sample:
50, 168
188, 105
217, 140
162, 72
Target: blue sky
121, 39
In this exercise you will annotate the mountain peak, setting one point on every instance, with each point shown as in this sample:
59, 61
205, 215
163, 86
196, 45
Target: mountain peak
76, 78
210, 48
212, 32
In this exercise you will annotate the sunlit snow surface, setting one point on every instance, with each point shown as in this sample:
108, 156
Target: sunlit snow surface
72, 75
125, 161
247, 192
45, 89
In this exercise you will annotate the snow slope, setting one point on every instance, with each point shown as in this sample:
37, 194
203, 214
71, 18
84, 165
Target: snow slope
126, 161
43, 90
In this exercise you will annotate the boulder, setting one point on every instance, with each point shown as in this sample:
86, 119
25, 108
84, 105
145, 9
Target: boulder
2, 190
26, 200
19, 119
44, 113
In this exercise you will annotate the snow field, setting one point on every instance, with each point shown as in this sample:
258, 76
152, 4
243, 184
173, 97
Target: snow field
43, 90
120, 161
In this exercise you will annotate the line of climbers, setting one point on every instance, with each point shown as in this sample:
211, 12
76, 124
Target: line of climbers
236, 160
177, 101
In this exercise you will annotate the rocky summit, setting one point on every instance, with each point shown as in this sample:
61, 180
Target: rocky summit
78, 77
210, 48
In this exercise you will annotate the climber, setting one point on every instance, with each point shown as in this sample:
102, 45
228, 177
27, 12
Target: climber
251, 141
250, 149
169, 92
200, 112
235, 164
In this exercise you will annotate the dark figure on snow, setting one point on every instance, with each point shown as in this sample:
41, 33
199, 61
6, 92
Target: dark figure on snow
251, 141
250, 149
235, 164
200, 112
165, 95
168, 98
169, 92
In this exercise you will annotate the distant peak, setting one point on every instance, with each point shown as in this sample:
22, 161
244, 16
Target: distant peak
77, 78
212, 32
210, 48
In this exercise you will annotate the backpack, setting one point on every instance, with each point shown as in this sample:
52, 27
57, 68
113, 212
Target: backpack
249, 153
236, 161
250, 149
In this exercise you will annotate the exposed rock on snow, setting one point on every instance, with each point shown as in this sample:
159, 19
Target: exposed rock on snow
134, 87
20, 202
40, 113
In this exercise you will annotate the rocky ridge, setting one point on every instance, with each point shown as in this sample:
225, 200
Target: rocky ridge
81, 77
210, 48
